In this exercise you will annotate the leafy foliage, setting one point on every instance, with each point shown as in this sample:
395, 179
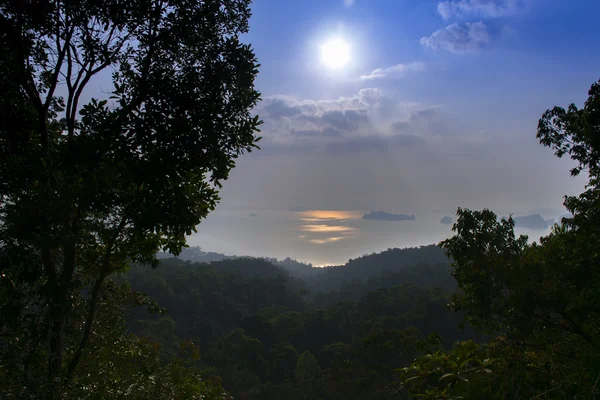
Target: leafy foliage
495, 370
543, 299
116, 365
265, 334
574, 132
401, 265
85, 188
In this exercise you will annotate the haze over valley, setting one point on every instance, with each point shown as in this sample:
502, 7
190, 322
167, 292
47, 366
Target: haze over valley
327, 237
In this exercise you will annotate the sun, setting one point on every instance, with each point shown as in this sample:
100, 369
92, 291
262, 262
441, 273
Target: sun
335, 53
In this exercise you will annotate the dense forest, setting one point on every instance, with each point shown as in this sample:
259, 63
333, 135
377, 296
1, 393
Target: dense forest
268, 334
94, 193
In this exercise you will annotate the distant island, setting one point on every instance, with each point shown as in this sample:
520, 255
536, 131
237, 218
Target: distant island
534, 221
253, 215
384, 216
446, 220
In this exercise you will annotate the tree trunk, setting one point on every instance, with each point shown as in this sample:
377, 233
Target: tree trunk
55, 355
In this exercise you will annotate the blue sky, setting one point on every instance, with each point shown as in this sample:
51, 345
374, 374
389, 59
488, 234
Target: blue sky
547, 38
448, 117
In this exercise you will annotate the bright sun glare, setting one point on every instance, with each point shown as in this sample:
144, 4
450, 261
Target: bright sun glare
335, 53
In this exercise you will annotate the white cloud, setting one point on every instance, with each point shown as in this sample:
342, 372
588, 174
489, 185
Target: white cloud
369, 121
372, 150
393, 174
348, 3
280, 106
456, 38
398, 70
300, 125
484, 8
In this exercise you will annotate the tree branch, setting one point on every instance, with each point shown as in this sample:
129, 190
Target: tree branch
61, 57
87, 330
25, 78
147, 62
70, 123
88, 326
79, 90
85, 74
49, 266
576, 329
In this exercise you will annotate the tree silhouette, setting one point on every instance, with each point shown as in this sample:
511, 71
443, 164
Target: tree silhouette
86, 188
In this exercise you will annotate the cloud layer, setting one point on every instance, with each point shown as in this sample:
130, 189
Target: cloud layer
366, 122
395, 71
483, 8
373, 151
459, 38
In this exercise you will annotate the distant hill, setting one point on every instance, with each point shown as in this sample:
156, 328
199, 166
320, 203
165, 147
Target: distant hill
208, 300
384, 216
248, 267
295, 268
427, 266
446, 220
196, 255
253, 320
534, 221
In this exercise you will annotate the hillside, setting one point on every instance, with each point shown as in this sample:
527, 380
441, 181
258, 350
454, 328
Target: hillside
256, 324
425, 265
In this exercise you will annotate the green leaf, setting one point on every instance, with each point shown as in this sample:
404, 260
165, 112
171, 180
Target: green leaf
448, 375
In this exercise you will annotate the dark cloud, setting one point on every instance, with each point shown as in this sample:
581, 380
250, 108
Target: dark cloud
332, 132
343, 120
361, 123
277, 108
348, 120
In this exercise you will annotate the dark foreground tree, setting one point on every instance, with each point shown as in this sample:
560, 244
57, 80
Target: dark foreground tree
543, 299
87, 186
118, 364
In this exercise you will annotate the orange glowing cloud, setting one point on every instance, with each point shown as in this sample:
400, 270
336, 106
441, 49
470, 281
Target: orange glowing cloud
327, 240
327, 214
326, 228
